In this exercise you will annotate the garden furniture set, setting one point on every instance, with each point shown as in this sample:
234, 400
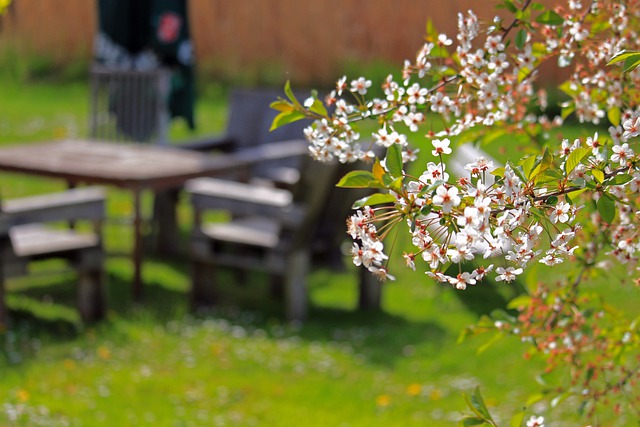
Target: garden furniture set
286, 213
247, 161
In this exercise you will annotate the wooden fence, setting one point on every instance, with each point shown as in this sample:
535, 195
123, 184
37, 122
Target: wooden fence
305, 41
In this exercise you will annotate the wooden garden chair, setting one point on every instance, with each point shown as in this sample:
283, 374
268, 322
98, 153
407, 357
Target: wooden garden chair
25, 237
248, 124
272, 234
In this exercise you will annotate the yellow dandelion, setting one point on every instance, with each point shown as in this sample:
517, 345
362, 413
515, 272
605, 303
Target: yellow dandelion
60, 132
414, 389
383, 400
104, 353
69, 364
435, 394
217, 349
22, 395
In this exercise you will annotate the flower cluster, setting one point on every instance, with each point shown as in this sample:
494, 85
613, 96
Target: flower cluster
469, 217
464, 89
476, 217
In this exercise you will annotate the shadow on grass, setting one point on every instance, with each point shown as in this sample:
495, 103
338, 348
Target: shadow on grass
482, 300
379, 337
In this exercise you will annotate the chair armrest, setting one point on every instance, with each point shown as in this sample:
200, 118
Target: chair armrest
79, 203
222, 143
273, 151
237, 197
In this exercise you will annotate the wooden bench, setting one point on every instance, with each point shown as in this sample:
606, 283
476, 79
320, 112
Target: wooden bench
25, 238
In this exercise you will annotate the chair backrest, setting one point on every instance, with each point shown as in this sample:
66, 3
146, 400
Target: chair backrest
129, 105
250, 117
312, 193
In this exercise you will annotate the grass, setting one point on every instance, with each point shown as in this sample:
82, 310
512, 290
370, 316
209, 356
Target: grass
156, 363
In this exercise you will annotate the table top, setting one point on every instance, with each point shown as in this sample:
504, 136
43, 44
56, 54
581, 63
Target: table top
120, 164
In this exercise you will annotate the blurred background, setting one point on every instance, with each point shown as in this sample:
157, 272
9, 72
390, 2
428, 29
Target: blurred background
245, 41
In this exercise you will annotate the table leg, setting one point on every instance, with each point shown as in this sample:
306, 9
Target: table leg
166, 234
137, 245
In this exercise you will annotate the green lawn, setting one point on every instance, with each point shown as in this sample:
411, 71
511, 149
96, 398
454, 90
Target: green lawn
157, 364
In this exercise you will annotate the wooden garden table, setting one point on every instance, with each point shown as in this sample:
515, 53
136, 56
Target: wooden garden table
134, 167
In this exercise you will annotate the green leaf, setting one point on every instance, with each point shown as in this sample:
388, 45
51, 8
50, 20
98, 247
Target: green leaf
499, 172
553, 200
537, 6
598, 175
431, 31
559, 398
543, 164
290, 95
554, 174
614, 116
494, 339
582, 407
473, 421
623, 55
426, 209
358, 179
517, 419
523, 74
606, 208
477, 405
534, 398
520, 301
527, 165
393, 160
508, 4
600, 26
318, 108
575, 157
568, 88
566, 111
391, 183
521, 38
285, 118
492, 135
374, 199
619, 179
631, 60
281, 105
378, 171
631, 63
550, 18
